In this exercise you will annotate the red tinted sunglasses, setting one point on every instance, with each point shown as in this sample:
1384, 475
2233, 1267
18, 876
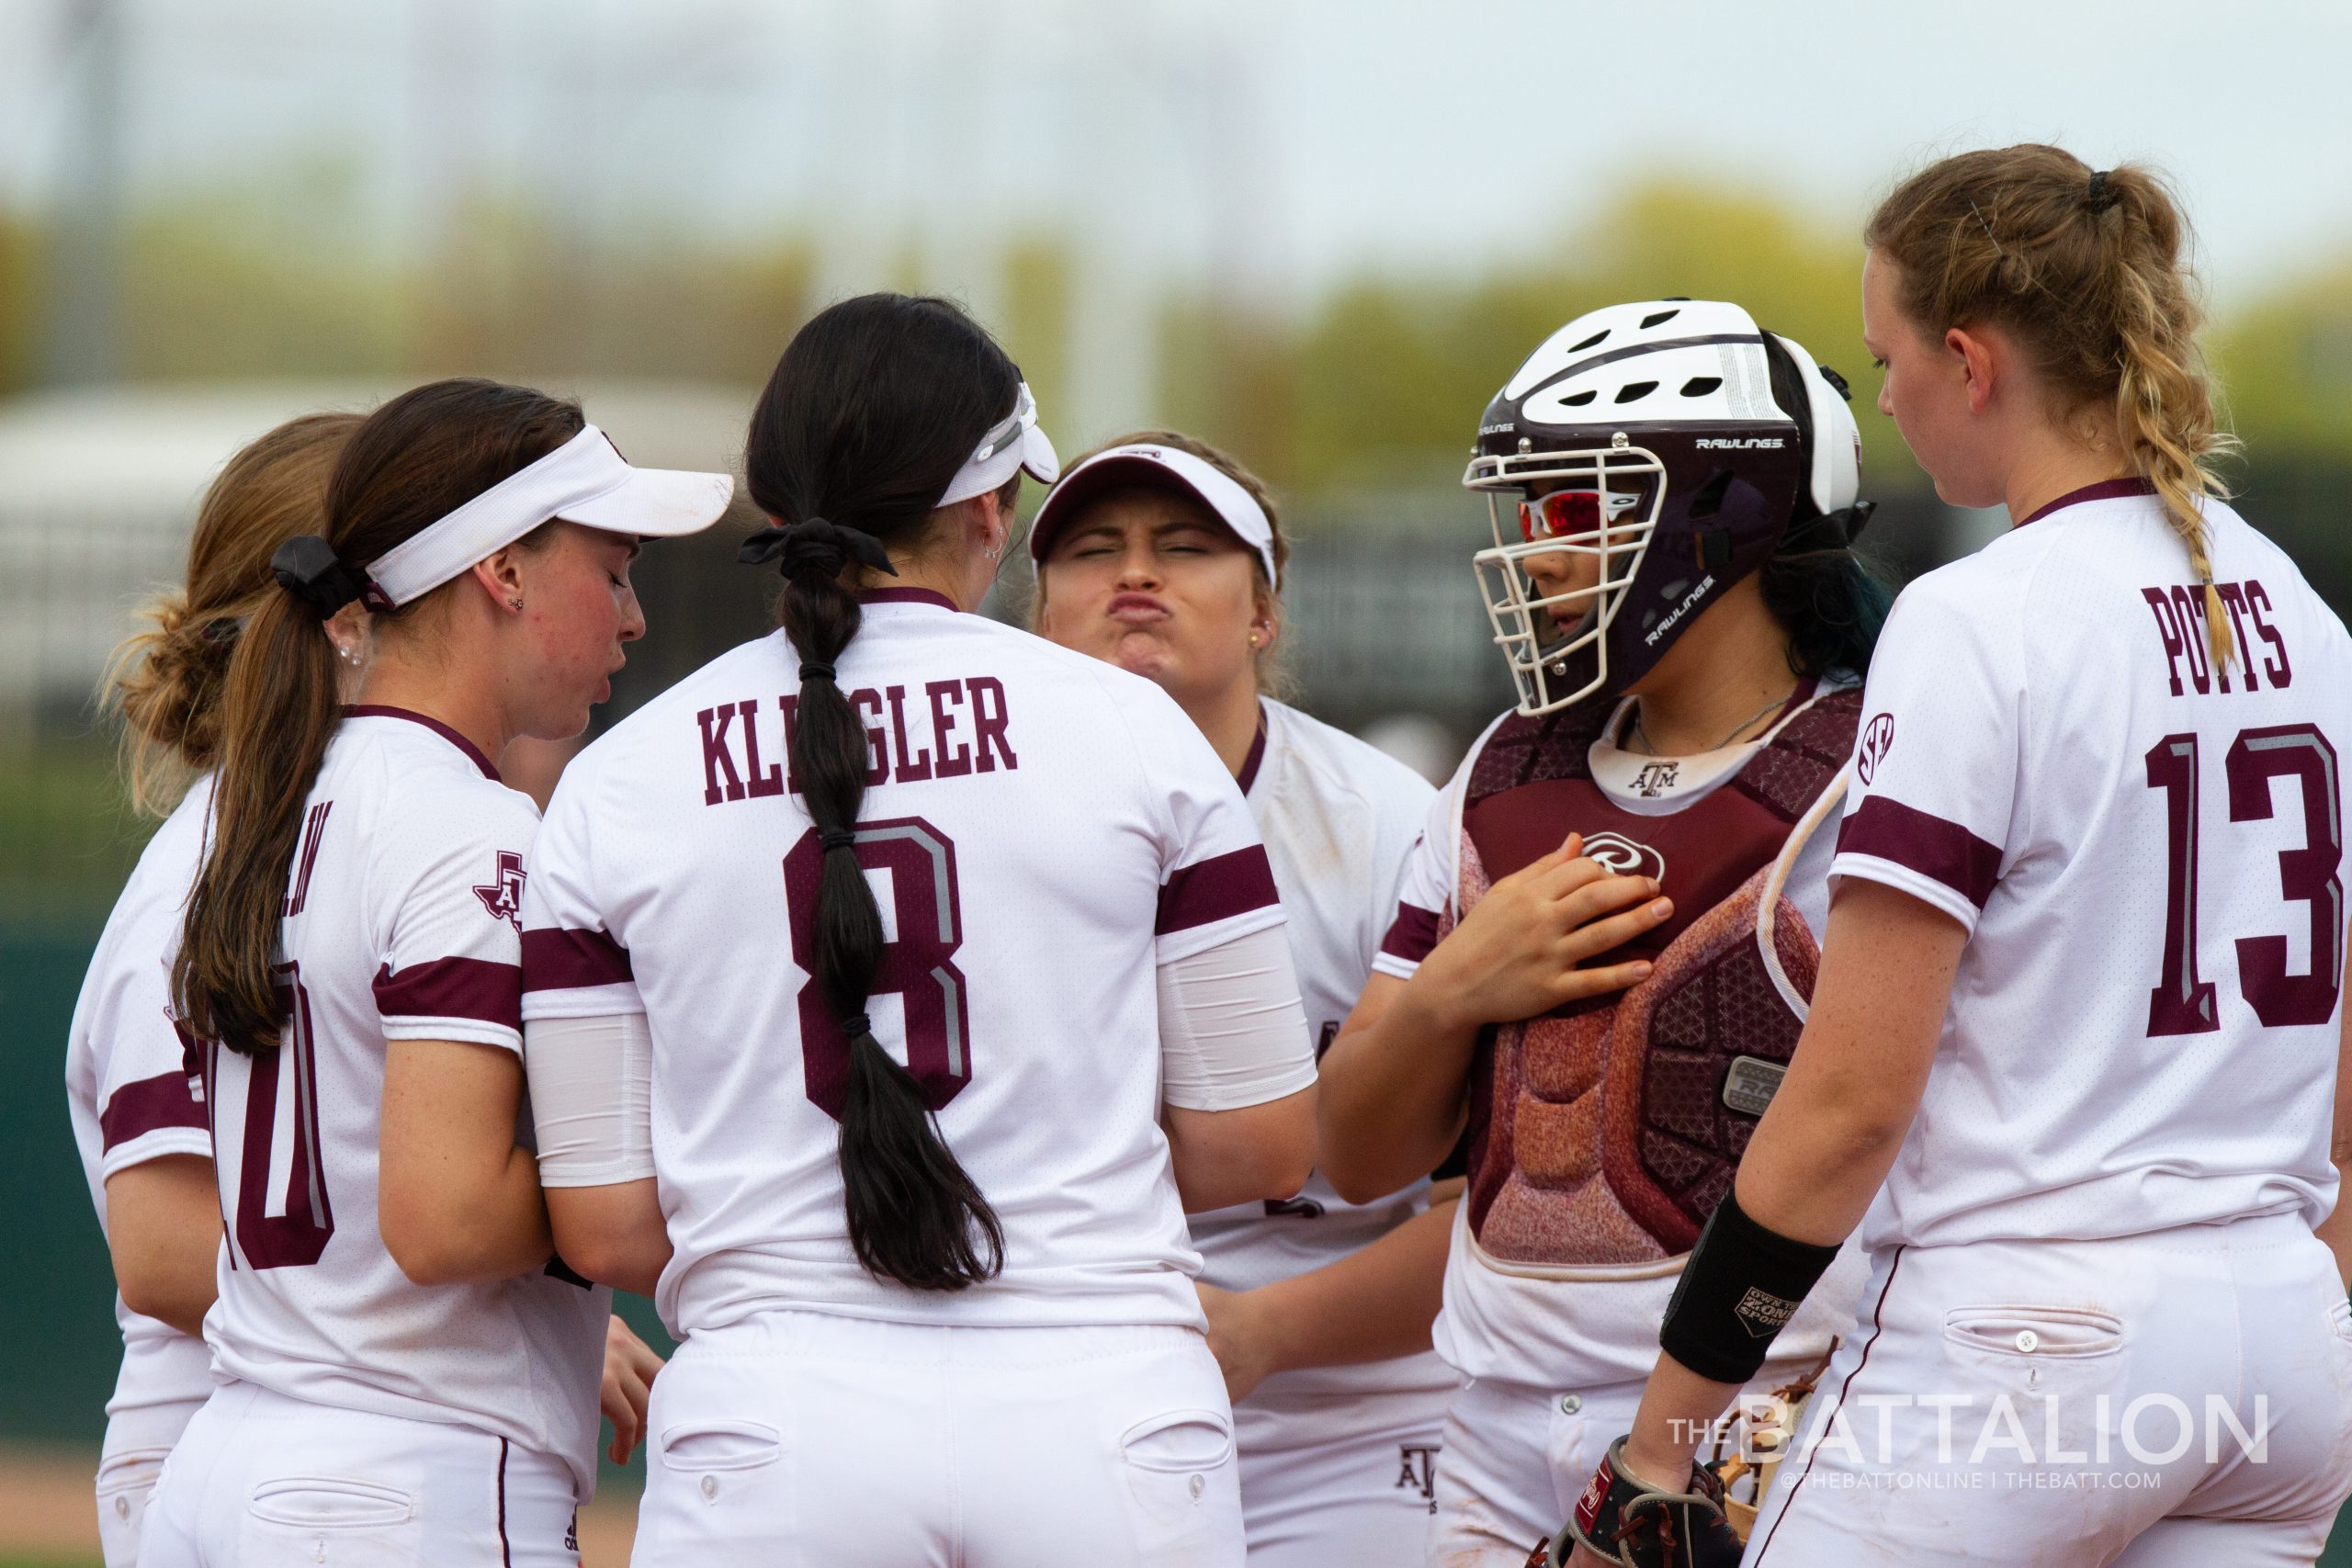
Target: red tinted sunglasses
1564, 512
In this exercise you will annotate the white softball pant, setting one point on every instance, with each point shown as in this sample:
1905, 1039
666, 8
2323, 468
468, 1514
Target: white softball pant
262, 1481
2158, 1401
802, 1437
1340, 1480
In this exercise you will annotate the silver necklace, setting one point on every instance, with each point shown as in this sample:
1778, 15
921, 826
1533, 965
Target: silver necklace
1650, 749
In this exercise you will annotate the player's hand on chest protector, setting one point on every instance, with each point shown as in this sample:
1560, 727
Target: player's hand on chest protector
1517, 954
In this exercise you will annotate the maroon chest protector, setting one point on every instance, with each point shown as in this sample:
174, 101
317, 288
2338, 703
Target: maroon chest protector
1606, 1132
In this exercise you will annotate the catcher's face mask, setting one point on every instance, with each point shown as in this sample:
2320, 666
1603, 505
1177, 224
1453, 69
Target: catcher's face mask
1570, 531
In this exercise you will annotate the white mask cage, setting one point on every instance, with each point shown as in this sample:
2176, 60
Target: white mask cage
1540, 631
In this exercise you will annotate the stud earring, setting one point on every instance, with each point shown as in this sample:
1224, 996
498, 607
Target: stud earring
1253, 639
516, 603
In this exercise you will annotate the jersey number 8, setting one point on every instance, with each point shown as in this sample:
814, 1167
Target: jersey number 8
918, 963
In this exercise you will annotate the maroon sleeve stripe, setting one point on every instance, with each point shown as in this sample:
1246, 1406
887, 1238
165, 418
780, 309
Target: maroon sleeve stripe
1945, 851
565, 960
1216, 889
1412, 935
453, 988
149, 1105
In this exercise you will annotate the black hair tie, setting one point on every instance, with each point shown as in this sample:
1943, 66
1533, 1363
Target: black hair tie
307, 566
855, 1025
2101, 198
833, 838
815, 544
810, 669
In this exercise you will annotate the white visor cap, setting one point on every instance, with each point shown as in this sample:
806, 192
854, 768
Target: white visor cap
1164, 468
586, 481
1012, 443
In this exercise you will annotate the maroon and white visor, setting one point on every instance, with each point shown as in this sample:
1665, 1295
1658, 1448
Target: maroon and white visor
586, 481
1166, 468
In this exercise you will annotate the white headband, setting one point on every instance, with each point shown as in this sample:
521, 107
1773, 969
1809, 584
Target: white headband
586, 481
1015, 441
1234, 506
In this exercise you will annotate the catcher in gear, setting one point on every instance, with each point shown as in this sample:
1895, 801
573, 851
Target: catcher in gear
1604, 949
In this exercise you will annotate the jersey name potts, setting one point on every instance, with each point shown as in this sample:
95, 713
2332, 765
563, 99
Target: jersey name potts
2180, 610
944, 730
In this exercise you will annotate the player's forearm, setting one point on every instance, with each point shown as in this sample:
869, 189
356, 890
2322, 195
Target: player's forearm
1372, 1305
1242, 1155
1678, 1409
1860, 1069
455, 1230
615, 1234
164, 1233
1394, 1091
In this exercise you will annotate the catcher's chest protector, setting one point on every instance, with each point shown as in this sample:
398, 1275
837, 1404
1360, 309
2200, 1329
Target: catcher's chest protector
1606, 1133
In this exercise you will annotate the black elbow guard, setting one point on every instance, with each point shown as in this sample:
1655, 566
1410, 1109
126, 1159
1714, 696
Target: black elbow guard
1739, 1287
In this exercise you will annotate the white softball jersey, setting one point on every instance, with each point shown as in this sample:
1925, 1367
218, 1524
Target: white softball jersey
1339, 817
2145, 847
401, 923
1585, 1314
131, 1088
1041, 831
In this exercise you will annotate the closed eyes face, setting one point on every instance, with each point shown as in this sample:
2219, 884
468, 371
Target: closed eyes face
1151, 582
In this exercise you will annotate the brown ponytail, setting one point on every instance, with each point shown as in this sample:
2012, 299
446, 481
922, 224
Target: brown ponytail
2087, 269
873, 407
409, 463
167, 680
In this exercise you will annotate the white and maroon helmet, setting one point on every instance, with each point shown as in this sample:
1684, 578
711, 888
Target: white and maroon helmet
1680, 444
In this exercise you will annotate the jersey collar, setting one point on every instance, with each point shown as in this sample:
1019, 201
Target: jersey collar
2106, 489
907, 596
472, 752
1249, 774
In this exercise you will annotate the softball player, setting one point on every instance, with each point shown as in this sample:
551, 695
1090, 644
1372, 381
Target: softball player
403, 1374
1165, 557
1673, 492
2075, 1048
138, 1124
894, 984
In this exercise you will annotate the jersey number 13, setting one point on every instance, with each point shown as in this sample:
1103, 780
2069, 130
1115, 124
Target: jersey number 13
2180, 1002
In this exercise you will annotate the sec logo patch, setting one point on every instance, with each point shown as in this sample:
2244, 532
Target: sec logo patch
1878, 739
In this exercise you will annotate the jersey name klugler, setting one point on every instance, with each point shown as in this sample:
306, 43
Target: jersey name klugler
893, 754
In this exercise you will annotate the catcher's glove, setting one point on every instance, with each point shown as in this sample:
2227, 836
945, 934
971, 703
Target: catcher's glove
1627, 1522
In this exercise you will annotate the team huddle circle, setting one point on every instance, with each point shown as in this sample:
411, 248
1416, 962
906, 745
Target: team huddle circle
1071, 1106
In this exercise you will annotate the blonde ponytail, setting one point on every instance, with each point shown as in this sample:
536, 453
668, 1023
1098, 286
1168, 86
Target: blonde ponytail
2087, 269
167, 680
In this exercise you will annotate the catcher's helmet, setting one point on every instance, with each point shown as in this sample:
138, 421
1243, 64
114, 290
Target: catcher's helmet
1678, 445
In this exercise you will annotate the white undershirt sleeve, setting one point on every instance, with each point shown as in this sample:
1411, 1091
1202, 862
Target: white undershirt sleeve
1232, 1031
591, 1098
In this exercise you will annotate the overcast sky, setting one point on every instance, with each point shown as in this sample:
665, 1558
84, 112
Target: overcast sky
1274, 145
